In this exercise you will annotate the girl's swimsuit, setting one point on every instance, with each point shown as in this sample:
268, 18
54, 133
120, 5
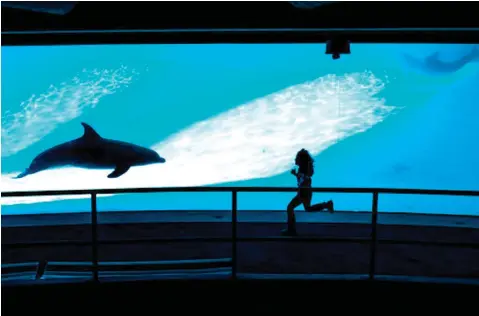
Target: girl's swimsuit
304, 181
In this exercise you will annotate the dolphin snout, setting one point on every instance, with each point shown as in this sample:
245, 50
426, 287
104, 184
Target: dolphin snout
161, 160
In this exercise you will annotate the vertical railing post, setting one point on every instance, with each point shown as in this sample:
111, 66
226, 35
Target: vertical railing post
374, 226
234, 226
94, 237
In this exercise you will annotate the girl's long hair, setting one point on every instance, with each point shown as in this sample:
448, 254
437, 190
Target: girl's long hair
305, 162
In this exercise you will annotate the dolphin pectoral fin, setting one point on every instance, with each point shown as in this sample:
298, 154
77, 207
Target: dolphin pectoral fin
119, 170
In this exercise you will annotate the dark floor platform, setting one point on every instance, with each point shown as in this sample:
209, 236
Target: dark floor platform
408, 244
258, 216
226, 296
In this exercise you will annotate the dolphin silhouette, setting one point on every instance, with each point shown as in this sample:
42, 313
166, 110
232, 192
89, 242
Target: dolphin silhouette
433, 63
93, 152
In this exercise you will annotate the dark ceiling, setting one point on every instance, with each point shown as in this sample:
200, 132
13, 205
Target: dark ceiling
175, 14
164, 15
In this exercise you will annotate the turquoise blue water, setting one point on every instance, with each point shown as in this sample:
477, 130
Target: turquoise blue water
396, 116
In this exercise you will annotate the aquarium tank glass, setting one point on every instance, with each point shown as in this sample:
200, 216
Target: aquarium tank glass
385, 116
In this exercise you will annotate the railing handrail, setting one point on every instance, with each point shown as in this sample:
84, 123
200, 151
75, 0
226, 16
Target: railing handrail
239, 190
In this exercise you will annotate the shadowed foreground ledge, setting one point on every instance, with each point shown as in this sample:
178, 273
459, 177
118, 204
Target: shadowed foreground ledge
283, 257
225, 296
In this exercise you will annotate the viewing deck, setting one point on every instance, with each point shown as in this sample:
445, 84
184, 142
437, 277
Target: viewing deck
103, 246
250, 216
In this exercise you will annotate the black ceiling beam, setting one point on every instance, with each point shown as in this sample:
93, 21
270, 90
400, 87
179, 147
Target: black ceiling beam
227, 15
213, 17
244, 36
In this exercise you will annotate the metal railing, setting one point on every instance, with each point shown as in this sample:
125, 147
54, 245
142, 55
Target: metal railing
373, 240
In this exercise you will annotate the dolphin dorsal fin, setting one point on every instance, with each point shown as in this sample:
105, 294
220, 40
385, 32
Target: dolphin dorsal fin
89, 132
434, 56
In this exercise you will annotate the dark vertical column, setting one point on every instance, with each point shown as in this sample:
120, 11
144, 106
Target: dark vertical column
234, 224
374, 238
94, 237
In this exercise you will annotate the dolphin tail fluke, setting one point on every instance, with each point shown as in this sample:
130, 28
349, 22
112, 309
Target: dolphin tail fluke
21, 175
475, 52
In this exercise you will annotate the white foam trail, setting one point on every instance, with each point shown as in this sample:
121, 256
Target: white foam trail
41, 114
260, 138
254, 140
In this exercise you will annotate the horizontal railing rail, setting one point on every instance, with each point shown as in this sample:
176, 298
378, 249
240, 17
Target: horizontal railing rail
234, 238
359, 240
237, 189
